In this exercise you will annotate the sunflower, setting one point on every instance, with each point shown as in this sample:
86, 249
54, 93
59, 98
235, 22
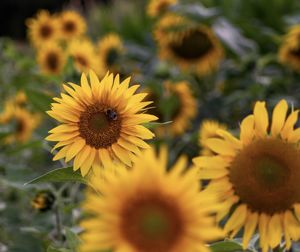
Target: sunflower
258, 176
19, 122
42, 29
43, 201
176, 105
208, 129
110, 49
159, 211
193, 47
83, 54
51, 59
100, 123
289, 52
156, 8
72, 25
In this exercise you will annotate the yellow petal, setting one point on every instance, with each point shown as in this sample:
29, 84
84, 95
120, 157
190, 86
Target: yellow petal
237, 218
247, 130
263, 231
121, 153
289, 124
278, 117
213, 162
212, 173
87, 165
61, 153
105, 158
220, 146
81, 157
74, 149
261, 118
274, 232
250, 226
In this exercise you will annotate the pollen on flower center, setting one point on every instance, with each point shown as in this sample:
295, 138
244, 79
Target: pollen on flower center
195, 44
265, 175
45, 31
98, 128
151, 223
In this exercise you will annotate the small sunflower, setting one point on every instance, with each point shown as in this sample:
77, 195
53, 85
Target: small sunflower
258, 176
208, 129
156, 8
193, 47
51, 59
289, 52
181, 108
100, 123
20, 123
83, 54
42, 29
159, 211
72, 25
110, 49
43, 201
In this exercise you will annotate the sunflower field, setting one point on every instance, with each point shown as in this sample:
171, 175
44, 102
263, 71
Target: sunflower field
150, 126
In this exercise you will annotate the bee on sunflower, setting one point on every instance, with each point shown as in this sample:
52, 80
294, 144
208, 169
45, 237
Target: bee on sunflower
193, 47
51, 59
110, 48
71, 24
42, 29
154, 213
100, 123
257, 176
289, 52
20, 123
157, 8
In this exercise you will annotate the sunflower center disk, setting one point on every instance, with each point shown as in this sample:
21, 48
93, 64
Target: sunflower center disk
151, 223
69, 26
112, 57
46, 31
193, 45
265, 175
81, 60
52, 61
295, 53
99, 126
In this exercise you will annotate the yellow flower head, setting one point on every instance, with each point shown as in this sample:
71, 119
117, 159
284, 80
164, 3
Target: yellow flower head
257, 176
156, 8
51, 59
208, 129
42, 29
110, 49
149, 209
72, 25
289, 53
182, 111
20, 122
83, 54
193, 47
100, 123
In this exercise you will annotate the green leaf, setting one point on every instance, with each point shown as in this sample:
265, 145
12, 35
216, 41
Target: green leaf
59, 175
53, 249
39, 99
72, 239
227, 246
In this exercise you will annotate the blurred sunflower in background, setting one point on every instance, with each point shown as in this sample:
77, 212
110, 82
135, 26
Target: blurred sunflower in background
157, 8
176, 105
100, 123
208, 129
42, 29
43, 201
110, 48
193, 47
258, 176
19, 123
71, 24
289, 52
83, 52
154, 213
51, 59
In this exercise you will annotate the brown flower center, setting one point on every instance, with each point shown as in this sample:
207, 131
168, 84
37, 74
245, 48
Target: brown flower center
100, 126
151, 222
81, 60
295, 53
46, 31
69, 26
194, 45
52, 60
112, 57
265, 175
